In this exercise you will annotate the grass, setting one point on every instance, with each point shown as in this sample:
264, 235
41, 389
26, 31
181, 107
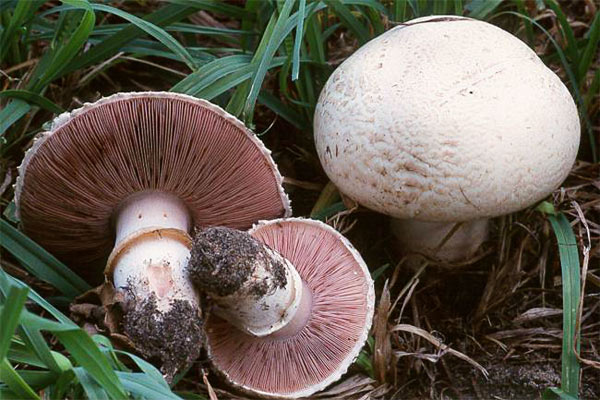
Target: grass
265, 62
91, 368
571, 285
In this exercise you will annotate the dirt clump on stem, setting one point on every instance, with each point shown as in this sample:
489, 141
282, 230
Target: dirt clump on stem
223, 259
173, 337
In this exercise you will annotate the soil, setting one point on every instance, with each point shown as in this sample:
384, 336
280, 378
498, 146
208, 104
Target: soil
172, 339
513, 381
223, 259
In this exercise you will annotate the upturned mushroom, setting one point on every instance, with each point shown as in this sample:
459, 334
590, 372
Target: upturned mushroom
292, 304
125, 178
445, 120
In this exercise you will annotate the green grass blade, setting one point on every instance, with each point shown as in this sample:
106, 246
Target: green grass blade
107, 349
112, 44
215, 6
458, 7
273, 42
14, 111
240, 95
330, 31
592, 90
37, 380
7, 282
440, 7
5, 393
22, 354
372, 4
480, 9
328, 211
5, 5
141, 48
399, 10
15, 383
569, 261
67, 52
553, 393
209, 73
24, 10
32, 98
76, 341
158, 33
40, 263
35, 341
86, 353
143, 385
46, 32
378, 273
223, 84
90, 386
147, 368
528, 26
591, 49
67, 22
315, 40
249, 22
241, 75
188, 28
282, 110
571, 48
349, 20
364, 361
59, 389
9, 211
415, 8
83, 350
298, 40
9, 319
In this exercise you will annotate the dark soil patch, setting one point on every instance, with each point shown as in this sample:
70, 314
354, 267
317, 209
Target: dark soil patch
172, 338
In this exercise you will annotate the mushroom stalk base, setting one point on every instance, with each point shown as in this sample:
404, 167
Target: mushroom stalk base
153, 262
260, 310
436, 239
251, 286
149, 265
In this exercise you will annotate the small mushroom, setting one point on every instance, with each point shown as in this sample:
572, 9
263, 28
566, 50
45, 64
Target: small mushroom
442, 120
125, 178
293, 304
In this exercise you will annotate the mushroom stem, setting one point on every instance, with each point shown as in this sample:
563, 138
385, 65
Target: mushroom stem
443, 241
252, 286
149, 265
152, 249
151, 209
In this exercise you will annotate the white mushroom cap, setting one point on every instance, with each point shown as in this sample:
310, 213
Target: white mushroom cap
446, 119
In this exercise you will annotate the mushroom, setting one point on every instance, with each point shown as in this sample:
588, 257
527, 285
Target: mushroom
126, 178
445, 120
293, 304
